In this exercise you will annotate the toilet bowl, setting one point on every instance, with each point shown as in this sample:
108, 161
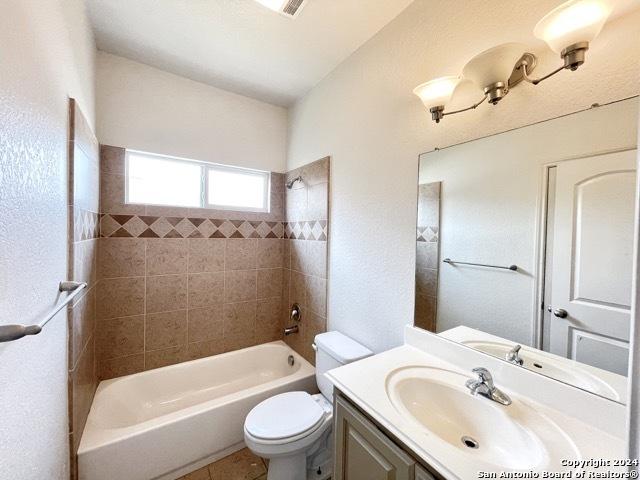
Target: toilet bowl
293, 430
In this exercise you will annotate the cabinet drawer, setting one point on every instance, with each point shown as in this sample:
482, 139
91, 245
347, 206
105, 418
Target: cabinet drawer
362, 452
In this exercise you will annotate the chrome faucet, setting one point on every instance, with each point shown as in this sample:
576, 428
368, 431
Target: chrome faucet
484, 386
513, 356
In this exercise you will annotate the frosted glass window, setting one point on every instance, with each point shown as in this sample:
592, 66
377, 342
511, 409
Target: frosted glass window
163, 181
242, 189
160, 180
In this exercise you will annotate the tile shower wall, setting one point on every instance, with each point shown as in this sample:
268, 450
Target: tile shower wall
305, 267
427, 243
83, 238
178, 284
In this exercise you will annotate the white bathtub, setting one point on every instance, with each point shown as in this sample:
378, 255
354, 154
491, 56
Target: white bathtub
166, 422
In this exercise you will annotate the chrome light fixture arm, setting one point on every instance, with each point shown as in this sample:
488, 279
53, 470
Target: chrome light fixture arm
437, 113
573, 56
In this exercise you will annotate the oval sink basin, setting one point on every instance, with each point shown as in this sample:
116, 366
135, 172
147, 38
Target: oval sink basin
559, 368
513, 437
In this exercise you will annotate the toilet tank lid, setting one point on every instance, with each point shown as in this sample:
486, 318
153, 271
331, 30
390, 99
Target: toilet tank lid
341, 347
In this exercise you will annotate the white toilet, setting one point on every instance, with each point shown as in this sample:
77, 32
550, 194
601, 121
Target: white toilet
293, 430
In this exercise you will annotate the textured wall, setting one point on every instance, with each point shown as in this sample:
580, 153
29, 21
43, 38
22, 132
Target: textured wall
177, 283
365, 116
143, 108
47, 55
84, 195
307, 234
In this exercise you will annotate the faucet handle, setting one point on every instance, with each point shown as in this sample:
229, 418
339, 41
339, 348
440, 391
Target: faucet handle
484, 376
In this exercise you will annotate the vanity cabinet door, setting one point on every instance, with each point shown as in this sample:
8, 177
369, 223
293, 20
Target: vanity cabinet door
422, 474
363, 452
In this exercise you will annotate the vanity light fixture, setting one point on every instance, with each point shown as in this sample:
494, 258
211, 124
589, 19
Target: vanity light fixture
567, 30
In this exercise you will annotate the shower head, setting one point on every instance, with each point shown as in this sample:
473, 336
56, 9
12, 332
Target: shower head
291, 182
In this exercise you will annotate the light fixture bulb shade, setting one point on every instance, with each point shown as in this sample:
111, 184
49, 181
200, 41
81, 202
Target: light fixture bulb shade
573, 22
437, 92
493, 65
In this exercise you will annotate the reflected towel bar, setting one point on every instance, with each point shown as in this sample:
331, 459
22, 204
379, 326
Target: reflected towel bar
9, 333
513, 268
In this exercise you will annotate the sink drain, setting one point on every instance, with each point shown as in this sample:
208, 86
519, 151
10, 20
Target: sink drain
470, 442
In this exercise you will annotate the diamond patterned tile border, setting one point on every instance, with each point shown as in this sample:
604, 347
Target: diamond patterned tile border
143, 226
427, 234
306, 230
86, 225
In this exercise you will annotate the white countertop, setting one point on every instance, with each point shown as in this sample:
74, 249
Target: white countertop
365, 383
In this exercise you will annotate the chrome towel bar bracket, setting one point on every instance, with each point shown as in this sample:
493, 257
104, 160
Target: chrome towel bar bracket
513, 268
8, 333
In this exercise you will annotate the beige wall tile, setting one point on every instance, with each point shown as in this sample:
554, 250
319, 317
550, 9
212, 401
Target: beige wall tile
162, 358
118, 337
85, 261
82, 325
166, 293
286, 277
242, 465
315, 262
236, 342
426, 255
206, 255
166, 256
286, 254
318, 202
164, 330
270, 252
299, 249
277, 182
205, 349
276, 207
316, 295
120, 297
112, 159
121, 257
206, 289
206, 324
316, 172
298, 290
83, 384
269, 283
427, 282
112, 196
241, 253
296, 204
316, 324
269, 320
239, 319
240, 286
117, 367
166, 211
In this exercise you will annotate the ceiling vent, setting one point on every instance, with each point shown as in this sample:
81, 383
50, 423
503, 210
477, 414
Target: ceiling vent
292, 7
288, 8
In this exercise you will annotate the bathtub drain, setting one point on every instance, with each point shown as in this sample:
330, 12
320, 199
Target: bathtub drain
291, 360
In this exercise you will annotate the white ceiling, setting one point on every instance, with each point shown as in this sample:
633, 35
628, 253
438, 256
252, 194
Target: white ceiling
239, 45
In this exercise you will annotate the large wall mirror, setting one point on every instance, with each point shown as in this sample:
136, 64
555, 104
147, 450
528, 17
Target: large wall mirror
525, 244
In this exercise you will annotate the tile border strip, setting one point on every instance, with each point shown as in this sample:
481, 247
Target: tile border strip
150, 226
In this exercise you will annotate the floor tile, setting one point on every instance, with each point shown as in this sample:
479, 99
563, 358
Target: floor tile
200, 474
242, 465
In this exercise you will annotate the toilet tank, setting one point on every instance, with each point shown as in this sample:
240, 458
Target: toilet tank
333, 349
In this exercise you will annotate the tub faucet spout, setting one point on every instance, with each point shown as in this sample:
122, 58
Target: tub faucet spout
290, 330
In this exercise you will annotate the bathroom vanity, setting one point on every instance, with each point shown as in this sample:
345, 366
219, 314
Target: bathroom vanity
365, 451
411, 413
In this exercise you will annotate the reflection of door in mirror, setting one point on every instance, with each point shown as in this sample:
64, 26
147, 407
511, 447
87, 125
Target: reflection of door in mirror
588, 290
557, 200
427, 235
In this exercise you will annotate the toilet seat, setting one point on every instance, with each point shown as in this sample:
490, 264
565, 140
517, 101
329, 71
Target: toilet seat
284, 418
